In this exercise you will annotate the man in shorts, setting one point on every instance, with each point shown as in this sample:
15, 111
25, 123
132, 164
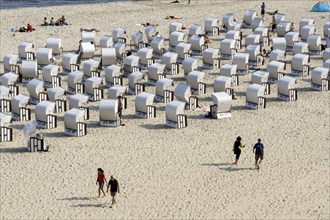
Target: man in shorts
259, 151
114, 189
263, 10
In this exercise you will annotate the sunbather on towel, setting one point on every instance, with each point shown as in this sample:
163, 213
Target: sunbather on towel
90, 29
147, 24
173, 17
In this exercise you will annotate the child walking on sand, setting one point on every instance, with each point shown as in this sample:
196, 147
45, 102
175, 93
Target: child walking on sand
100, 180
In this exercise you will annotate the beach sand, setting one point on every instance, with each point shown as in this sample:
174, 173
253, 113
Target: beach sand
171, 173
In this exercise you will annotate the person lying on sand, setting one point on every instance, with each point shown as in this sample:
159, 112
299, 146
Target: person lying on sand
173, 17
89, 29
147, 24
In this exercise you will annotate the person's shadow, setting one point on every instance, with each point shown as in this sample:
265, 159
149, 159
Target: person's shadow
230, 167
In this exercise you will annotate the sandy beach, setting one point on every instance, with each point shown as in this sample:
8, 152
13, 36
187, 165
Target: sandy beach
169, 173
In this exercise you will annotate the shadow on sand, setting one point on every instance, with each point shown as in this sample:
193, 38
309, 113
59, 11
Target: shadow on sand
227, 166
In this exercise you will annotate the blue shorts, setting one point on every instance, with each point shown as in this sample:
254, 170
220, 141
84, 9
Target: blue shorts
101, 184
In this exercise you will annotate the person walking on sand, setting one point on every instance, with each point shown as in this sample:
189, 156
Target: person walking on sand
263, 10
237, 148
114, 189
100, 180
120, 109
259, 151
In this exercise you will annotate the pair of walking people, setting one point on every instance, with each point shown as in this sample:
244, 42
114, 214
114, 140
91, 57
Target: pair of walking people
113, 185
258, 149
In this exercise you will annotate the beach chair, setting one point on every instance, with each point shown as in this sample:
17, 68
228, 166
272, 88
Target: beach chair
50, 76
252, 39
116, 91
279, 43
230, 70
121, 52
57, 95
283, 28
145, 55
182, 92
9, 80
227, 49
255, 58
91, 68
108, 57
183, 50
119, 35
195, 29
157, 44
137, 41
87, 51
6, 132
175, 26
235, 35
10, 63
144, 107
36, 90
69, 63
261, 78
131, 64
227, 21
221, 105
175, 117
106, 41
74, 123
113, 76
211, 26
276, 71
155, 73
264, 35
75, 82
19, 109
319, 79
5, 104
197, 44
279, 17
175, 38
291, 39
170, 61
25, 51
286, 89
190, 64
277, 55
196, 81
326, 64
79, 101
164, 90
224, 84
241, 60
108, 113
306, 31
326, 30
44, 56
45, 117
150, 33
34, 144
249, 15
305, 22
135, 84
300, 65
256, 22
314, 44
254, 97
89, 37
55, 43
93, 88
326, 54
29, 70
211, 58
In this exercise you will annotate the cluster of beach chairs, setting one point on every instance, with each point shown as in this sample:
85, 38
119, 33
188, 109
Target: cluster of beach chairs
146, 59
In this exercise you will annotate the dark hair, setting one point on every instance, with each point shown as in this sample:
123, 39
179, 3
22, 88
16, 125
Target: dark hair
100, 170
239, 138
259, 140
45, 18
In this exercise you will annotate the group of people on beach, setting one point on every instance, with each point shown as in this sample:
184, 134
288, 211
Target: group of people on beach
112, 184
59, 22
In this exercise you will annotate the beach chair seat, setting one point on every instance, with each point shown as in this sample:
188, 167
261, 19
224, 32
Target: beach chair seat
10, 63
319, 79
224, 84
34, 144
108, 113
108, 57
170, 61
252, 39
6, 132
87, 50
254, 97
287, 89
182, 92
175, 26
197, 44
255, 59
291, 39
230, 70
326, 29
79, 101
74, 123
150, 33
44, 56
190, 64
300, 65
175, 38
248, 17
241, 60
183, 50
137, 41
235, 35
196, 81
156, 72
119, 35
314, 44
36, 90
25, 51
55, 43
89, 37
19, 109
306, 31
157, 44
227, 49
144, 107
121, 52
145, 55
116, 91
195, 29
135, 84
9, 80
69, 63
45, 117
164, 90
283, 28
113, 76
326, 54
227, 21
91, 68
276, 71
5, 104
106, 41
175, 117
131, 64
279, 17
277, 55
93, 88
264, 35
305, 22
57, 95
279, 43
221, 105
256, 22
50, 76
211, 26
261, 78
211, 58
75, 82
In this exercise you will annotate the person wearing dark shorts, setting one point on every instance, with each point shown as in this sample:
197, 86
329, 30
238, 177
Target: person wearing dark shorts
263, 10
114, 189
259, 153
237, 148
120, 108
100, 180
